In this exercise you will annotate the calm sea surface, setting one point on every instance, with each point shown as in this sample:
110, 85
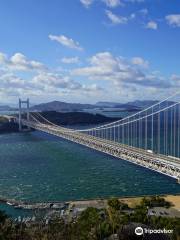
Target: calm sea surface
38, 167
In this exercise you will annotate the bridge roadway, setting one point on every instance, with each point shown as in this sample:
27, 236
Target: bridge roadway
167, 165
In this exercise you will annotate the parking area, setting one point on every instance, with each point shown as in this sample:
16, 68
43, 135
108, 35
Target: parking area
163, 212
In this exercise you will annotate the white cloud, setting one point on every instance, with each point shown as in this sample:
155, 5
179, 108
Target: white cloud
175, 79
3, 58
70, 60
101, 64
56, 81
132, 16
46, 85
9, 80
173, 20
140, 62
93, 88
143, 11
112, 3
86, 3
120, 72
104, 66
19, 62
65, 41
116, 19
39, 83
152, 25
134, 1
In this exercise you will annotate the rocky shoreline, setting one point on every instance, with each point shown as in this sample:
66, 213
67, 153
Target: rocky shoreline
64, 204
34, 206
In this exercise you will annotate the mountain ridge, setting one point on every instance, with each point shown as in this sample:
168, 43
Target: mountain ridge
64, 106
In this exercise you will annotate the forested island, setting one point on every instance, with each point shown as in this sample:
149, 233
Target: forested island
7, 126
73, 118
59, 118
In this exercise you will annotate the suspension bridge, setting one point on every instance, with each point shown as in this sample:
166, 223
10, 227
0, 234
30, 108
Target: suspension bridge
149, 138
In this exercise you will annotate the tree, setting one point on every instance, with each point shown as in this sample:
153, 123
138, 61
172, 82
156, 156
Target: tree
3, 216
114, 203
88, 224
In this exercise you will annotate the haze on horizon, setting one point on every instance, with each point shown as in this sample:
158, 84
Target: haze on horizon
89, 50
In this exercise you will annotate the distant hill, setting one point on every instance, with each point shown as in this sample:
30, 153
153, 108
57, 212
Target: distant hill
61, 106
75, 107
148, 103
106, 104
128, 105
125, 106
143, 103
5, 108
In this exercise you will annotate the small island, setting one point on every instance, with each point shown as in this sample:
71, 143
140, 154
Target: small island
59, 118
7, 126
76, 118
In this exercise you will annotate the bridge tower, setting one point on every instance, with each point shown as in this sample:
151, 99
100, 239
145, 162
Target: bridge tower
20, 111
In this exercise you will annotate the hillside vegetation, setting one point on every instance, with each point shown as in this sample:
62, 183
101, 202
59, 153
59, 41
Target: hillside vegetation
111, 223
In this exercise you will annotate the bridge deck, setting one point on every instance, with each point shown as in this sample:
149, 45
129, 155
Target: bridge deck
167, 165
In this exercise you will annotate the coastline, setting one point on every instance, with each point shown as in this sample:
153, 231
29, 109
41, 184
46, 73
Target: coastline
97, 202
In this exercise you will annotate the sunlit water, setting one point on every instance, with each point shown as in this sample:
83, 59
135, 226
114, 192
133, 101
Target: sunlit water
38, 167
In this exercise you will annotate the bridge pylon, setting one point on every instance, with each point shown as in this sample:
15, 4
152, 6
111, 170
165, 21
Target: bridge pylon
21, 102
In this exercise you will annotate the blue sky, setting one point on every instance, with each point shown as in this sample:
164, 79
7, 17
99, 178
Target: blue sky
89, 50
